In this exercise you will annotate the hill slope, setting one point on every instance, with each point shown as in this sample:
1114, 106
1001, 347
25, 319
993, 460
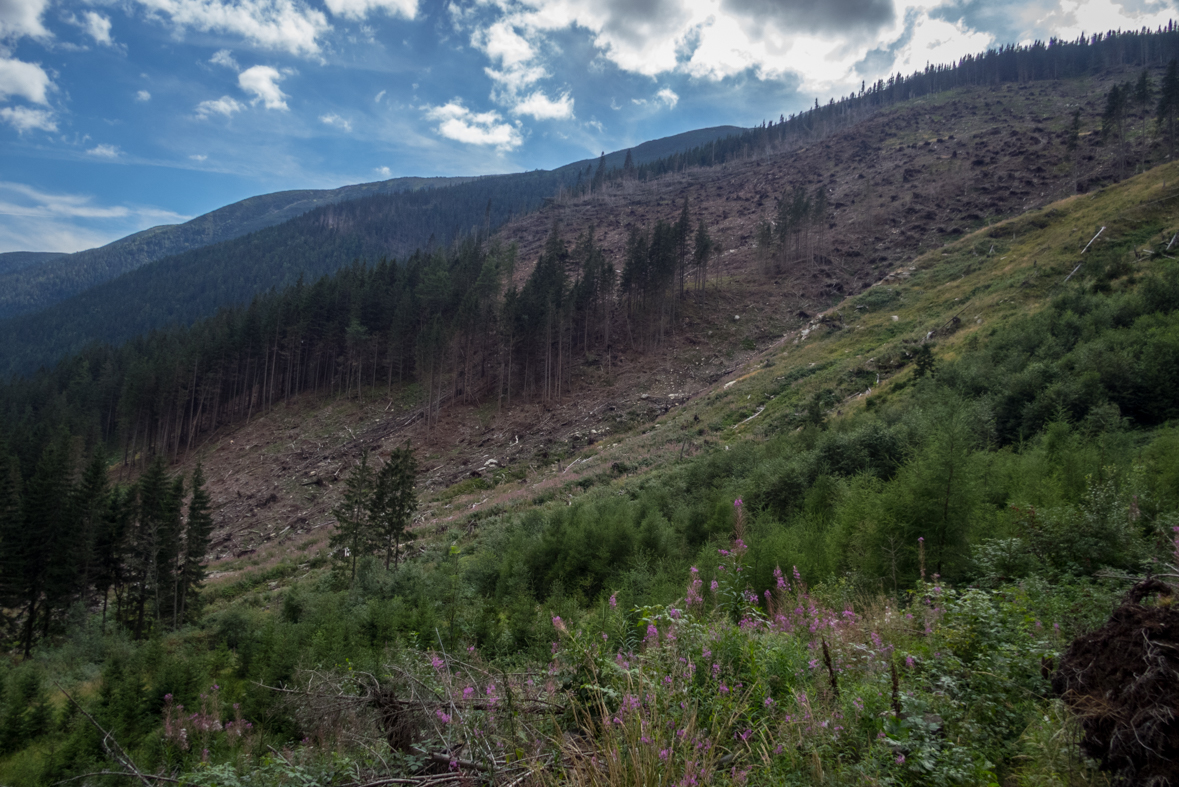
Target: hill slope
56, 277
25, 289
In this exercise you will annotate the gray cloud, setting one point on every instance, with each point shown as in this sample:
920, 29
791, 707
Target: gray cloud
1004, 19
826, 16
634, 21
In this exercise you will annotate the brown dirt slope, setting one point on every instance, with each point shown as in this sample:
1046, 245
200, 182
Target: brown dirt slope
900, 182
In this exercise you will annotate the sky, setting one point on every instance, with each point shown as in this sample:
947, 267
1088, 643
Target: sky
119, 115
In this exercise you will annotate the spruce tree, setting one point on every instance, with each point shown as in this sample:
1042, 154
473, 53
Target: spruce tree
198, 530
110, 551
11, 532
146, 542
1168, 106
41, 567
1143, 93
89, 512
394, 502
353, 535
703, 250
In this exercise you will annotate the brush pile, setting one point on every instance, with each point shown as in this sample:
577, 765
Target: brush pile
1122, 682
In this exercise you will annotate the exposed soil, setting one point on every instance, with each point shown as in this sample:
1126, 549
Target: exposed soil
1122, 681
900, 182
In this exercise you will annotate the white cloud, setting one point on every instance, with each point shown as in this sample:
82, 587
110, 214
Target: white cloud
24, 119
104, 151
513, 55
220, 106
97, 27
384, 172
198, 157
1071, 18
288, 25
668, 96
457, 122
20, 18
823, 45
263, 81
541, 107
142, 96
32, 219
332, 119
379, 97
27, 80
359, 9
29, 202
223, 57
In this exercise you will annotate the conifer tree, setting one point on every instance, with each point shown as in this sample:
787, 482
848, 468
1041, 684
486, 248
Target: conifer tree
353, 535
702, 251
167, 596
1168, 107
1074, 140
89, 512
683, 230
11, 531
145, 542
109, 547
41, 571
1113, 121
1143, 93
197, 532
394, 502
600, 174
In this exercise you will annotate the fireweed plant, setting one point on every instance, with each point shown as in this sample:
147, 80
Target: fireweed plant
729, 687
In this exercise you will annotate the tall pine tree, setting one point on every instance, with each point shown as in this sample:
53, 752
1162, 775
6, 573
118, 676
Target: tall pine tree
197, 532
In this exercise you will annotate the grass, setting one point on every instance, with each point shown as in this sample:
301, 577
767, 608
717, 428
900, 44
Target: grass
1032, 255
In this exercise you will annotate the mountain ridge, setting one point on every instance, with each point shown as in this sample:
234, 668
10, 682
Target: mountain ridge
41, 281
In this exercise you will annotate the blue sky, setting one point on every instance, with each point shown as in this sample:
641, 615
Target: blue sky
118, 115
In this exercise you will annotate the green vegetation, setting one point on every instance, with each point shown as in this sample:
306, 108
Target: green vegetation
865, 595
885, 537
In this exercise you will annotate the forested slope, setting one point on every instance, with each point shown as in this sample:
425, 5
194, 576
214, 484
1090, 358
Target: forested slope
863, 551
408, 221
25, 289
30, 288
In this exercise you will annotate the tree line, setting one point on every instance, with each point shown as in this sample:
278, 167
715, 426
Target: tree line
450, 321
1040, 60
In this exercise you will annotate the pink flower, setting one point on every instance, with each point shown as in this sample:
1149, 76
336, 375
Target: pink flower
613, 601
652, 637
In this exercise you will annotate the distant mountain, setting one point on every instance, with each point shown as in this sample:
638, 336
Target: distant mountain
27, 287
657, 149
12, 261
365, 222
32, 283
